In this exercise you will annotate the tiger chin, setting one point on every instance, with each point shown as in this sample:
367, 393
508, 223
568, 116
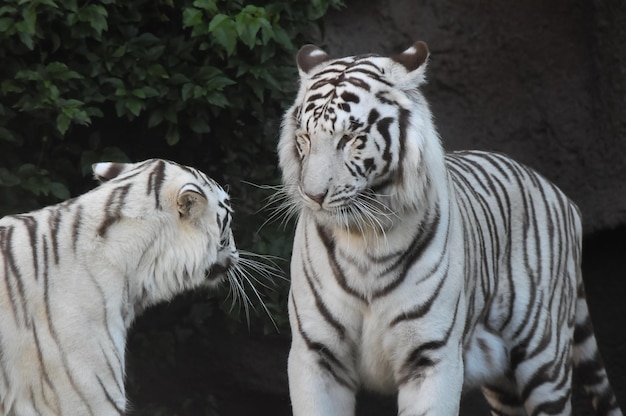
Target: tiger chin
75, 275
422, 273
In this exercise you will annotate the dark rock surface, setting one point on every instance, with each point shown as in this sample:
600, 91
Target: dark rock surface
543, 81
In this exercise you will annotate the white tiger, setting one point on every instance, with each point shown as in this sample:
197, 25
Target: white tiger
75, 275
418, 272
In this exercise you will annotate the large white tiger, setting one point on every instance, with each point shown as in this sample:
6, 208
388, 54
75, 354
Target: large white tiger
74, 275
419, 272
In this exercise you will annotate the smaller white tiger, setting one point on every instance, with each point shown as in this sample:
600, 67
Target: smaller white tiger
75, 275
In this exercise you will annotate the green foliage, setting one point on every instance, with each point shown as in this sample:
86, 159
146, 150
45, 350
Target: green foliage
144, 77
202, 82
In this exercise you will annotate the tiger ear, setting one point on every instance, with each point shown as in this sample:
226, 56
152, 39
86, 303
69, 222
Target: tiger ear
413, 57
191, 201
310, 56
105, 171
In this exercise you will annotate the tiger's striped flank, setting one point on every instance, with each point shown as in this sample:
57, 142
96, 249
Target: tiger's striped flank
423, 273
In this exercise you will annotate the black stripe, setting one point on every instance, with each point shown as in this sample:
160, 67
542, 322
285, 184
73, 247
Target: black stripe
420, 243
422, 309
419, 359
591, 371
383, 128
350, 97
553, 407
31, 224
54, 225
44, 370
105, 320
583, 332
520, 351
49, 320
76, 226
113, 208
338, 273
479, 266
529, 272
155, 182
543, 375
358, 82
319, 303
544, 338
372, 117
109, 397
112, 372
403, 125
342, 142
12, 274
327, 359
136, 171
538, 378
369, 74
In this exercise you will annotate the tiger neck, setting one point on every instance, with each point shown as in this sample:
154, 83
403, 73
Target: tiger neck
411, 221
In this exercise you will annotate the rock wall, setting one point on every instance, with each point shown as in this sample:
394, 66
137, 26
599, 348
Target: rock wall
543, 81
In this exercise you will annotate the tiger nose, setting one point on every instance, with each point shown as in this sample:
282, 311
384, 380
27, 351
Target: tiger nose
319, 198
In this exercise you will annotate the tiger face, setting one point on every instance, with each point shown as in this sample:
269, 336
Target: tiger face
343, 148
188, 218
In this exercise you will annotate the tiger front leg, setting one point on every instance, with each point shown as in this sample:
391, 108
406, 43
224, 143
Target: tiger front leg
429, 385
319, 384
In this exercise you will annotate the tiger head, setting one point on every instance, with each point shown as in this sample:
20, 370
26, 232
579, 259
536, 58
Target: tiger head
358, 126
172, 220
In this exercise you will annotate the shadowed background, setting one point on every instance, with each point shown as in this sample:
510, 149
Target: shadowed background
544, 82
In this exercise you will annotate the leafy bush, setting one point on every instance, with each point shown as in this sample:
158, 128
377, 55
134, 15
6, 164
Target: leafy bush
201, 82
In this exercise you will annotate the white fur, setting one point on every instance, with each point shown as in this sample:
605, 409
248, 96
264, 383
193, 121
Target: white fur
380, 352
63, 351
366, 342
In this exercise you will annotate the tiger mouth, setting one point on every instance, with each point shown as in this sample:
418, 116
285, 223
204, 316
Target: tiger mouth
355, 216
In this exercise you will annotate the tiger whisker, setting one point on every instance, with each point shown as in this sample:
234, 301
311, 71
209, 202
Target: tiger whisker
272, 259
232, 292
355, 213
263, 186
373, 212
257, 268
269, 273
248, 277
369, 219
233, 277
282, 205
374, 201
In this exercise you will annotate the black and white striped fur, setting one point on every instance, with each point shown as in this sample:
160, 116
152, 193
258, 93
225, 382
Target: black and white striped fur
73, 276
420, 272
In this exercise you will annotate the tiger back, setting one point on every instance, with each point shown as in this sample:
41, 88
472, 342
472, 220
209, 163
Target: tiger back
422, 273
74, 276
